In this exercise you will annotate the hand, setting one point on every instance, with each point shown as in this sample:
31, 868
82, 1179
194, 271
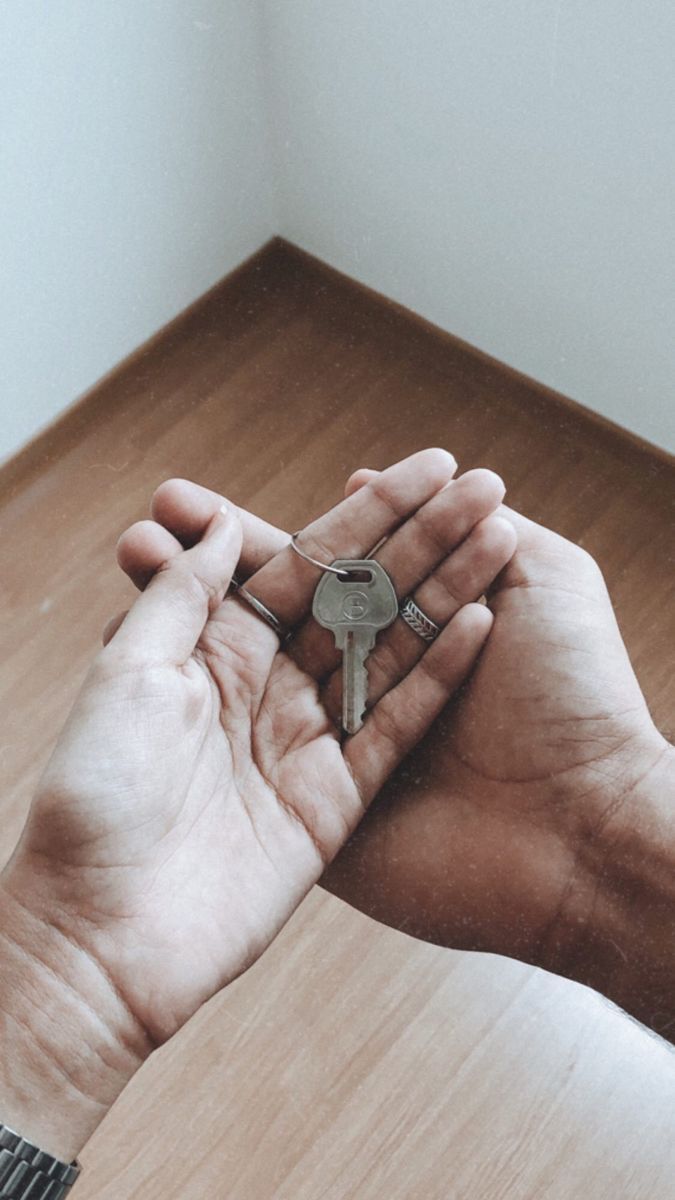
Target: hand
540, 822
519, 826
200, 785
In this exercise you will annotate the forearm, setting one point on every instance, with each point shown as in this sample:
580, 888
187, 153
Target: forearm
68, 1044
624, 912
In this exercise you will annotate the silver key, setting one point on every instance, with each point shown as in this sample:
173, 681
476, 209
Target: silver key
355, 609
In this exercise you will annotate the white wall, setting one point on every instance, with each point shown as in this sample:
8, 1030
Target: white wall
134, 173
505, 169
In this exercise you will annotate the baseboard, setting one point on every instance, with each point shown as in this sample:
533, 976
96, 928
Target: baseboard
53, 439
605, 426
275, 258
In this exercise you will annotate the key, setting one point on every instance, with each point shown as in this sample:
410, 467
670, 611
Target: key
355, 608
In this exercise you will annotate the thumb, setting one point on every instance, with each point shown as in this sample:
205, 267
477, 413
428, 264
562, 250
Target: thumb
167, 620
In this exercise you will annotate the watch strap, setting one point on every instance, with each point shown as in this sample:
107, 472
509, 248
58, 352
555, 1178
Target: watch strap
28, 1173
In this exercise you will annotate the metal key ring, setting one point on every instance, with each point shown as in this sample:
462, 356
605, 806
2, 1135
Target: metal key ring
314, 561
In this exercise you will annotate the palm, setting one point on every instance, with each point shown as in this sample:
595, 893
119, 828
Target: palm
514, 766
228, 826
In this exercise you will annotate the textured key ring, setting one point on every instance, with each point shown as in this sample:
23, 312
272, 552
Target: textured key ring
314, 561
418, 620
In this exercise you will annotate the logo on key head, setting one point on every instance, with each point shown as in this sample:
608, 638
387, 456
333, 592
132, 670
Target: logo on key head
354, 605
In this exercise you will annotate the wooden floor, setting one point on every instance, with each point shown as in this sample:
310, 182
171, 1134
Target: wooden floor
352, 1061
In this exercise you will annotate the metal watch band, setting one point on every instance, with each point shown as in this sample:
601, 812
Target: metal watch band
27, 1173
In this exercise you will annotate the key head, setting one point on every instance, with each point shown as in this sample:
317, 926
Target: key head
364, 599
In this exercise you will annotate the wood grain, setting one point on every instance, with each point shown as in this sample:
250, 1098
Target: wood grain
351, 1061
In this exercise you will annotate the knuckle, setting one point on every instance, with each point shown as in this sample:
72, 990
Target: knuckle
383, 491
205, 589
319, 549
386, 724
386, 661
443, 592
456, 594
432, 667
190, 582
439, 533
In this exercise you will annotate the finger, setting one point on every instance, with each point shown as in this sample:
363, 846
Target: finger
411, 555
287, 583
143, 548
182, 512
524, 569
468, 573
112, 627
403, 716
359, 479
459, 580
185, 510
167, 619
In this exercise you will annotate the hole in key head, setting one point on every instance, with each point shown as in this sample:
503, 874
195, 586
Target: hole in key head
355, 576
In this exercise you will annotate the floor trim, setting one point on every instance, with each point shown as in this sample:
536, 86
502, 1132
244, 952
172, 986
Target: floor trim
276, 255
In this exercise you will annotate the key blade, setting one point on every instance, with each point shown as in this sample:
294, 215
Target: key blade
355, 604
354, 679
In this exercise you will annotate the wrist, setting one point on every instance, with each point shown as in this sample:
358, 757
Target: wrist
616, 926
69, 1044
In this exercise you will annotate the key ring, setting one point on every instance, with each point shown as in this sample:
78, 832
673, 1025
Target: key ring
339, 571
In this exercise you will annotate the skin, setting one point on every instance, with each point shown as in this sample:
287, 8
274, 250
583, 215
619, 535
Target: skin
535, 819
201, 786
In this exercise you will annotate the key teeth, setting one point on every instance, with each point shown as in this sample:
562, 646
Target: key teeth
357, 723
354, 685
360, 698
355, 726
